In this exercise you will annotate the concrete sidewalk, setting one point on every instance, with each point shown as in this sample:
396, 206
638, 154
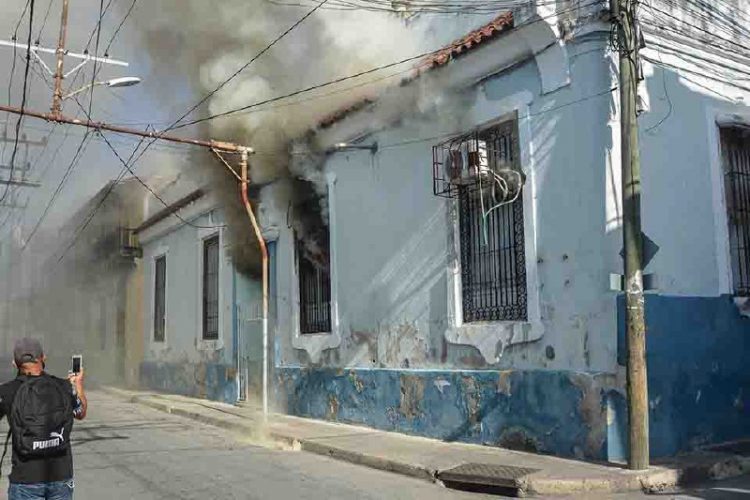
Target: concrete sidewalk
432, 460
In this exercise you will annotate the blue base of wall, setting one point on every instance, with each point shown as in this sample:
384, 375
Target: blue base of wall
698, 355
561, 413
202, 380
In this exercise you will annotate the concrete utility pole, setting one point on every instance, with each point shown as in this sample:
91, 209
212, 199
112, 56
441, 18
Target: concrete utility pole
624, 17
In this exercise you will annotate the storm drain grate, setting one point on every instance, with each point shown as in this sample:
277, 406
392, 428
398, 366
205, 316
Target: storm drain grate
505, 476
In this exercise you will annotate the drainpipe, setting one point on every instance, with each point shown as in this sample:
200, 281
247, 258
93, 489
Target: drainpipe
264, 254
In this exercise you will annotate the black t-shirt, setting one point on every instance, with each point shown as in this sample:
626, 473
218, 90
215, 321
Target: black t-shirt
37, 469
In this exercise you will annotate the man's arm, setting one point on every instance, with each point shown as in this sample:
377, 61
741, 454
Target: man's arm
81, 403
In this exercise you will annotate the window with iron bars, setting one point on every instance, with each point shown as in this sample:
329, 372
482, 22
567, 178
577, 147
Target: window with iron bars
314, 290
735, 148
160, 281
211, 288
491, 227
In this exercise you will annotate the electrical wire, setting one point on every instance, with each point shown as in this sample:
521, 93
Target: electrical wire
127, 165
150, 190
94, 73
93, 212
98, 27
354, 76
119, 27
14, 38
24, 96
95, 32
695, 26
251, 61
44, 22
71, 166
414, 7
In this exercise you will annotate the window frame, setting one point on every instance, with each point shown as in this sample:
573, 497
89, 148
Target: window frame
154, 303
213, 239
495, 302
739, 268
493, 337
327, 327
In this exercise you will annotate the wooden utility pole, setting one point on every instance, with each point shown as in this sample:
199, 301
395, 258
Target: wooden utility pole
628, 43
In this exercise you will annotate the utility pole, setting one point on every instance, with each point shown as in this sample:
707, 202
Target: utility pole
59, 75
624, 17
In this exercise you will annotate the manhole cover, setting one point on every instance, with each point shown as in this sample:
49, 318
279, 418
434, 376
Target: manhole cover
506, 476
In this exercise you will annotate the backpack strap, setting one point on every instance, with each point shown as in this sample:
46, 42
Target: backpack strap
5, 449
10, 433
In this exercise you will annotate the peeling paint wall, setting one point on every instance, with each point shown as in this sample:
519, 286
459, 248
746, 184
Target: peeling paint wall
395, 366
185, 363
393, 250
562, 413
698, 371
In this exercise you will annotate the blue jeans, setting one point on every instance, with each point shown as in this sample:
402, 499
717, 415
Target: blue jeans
60, 490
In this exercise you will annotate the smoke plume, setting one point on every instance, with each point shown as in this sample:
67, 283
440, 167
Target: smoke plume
206, 43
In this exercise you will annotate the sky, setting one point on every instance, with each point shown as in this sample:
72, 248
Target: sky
136, 106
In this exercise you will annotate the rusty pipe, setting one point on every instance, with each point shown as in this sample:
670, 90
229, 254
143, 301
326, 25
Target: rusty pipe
244, 181
164, 136
57, 96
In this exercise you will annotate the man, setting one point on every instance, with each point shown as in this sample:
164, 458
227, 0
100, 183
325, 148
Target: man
43, 465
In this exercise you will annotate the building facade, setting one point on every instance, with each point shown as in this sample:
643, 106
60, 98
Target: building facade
201, 325
487, 313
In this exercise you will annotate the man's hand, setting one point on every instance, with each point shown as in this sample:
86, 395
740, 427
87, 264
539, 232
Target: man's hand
77, 380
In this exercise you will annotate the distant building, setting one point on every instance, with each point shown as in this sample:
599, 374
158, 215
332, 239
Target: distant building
73, 289
201, 322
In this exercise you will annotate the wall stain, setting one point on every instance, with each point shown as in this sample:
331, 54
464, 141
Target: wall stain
517, 438
368, 338
591, 410
412, 394
503, 382
472, 397
356, 381
333, 407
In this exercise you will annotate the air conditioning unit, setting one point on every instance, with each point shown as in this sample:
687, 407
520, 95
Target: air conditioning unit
129, 246
466, 163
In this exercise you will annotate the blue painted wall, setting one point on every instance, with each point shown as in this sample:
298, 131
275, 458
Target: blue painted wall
557, 412
203, 380
698, 371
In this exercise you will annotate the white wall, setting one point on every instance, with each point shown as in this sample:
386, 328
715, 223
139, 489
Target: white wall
183, 247
691, 84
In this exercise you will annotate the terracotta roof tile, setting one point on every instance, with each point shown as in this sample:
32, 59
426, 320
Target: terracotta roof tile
470, 41
442, 57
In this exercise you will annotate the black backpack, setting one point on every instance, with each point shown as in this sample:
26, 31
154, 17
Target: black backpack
41, 418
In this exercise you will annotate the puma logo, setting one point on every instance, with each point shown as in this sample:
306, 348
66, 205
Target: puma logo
57, 439
58, 435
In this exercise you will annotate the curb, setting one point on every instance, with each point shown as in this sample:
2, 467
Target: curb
307, 445
653, 481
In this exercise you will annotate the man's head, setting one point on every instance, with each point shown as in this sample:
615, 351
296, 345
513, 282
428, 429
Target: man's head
28, 355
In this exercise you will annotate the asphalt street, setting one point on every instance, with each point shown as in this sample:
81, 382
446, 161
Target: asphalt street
128, 451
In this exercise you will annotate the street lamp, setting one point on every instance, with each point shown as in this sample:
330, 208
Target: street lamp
125, 81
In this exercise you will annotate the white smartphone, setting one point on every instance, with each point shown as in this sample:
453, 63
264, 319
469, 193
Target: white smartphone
77, 363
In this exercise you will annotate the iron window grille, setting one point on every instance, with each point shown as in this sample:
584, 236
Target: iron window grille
735, 147
491, 224
160, 282
314, 291
211, 288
